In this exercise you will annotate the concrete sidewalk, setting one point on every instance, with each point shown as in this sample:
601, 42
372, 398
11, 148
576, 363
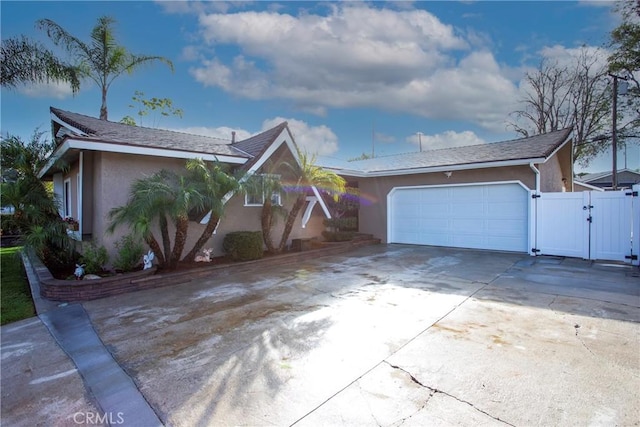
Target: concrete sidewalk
101, 392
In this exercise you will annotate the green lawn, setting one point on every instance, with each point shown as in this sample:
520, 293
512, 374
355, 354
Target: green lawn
16, 303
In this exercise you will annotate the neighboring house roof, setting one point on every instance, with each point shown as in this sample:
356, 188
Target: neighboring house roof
583, 186
535, 149
626, 176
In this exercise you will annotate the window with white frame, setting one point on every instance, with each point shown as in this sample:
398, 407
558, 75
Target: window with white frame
258, 199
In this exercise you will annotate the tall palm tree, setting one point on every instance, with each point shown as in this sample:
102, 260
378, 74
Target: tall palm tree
103, 59
215, 183
25, 61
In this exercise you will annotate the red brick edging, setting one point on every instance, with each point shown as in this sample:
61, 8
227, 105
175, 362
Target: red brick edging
85, 290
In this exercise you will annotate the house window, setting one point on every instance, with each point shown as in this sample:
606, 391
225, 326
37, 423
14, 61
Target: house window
66, 197
258, 199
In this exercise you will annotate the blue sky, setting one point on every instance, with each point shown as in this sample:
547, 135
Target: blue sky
347, 76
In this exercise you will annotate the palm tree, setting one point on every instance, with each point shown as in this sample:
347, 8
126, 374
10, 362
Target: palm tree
103, 59
263, 186
309, 175
163, 197
26, 61
215, 183
36, 209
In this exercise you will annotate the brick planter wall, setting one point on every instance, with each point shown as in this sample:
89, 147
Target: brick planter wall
85, 290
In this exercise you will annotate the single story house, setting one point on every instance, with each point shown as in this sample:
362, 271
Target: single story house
96, 161
627, 178
470, 197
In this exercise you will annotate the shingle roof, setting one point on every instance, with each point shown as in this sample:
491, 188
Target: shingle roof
625, 175
256, 144
106, 131
535, 147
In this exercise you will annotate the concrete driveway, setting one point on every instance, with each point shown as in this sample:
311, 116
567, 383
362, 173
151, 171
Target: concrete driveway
387, 335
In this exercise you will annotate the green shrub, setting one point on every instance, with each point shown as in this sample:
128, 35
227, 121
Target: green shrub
338, 236
130, 251
243, 245
94, 258
342, 224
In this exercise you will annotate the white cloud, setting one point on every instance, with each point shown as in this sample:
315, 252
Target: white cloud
47, 90
566, 56
358, 56
446, 139
318, 140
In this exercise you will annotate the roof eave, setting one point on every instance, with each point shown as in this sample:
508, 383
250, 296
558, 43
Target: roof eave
445, 168
111, 147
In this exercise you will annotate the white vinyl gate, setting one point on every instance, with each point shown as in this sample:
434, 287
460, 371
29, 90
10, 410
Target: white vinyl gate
589, 225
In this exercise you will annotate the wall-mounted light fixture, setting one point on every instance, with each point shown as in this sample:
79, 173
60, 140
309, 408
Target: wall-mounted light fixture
448, 174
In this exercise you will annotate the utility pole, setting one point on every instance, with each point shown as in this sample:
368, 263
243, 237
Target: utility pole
420, 140
614, 134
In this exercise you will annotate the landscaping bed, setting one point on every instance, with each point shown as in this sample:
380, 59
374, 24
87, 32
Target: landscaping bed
85, 290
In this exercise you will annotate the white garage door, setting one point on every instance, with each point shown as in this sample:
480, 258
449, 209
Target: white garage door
487, 216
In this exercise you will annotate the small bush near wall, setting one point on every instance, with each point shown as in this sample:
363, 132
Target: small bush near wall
342, 224
339, 236
244, 245
94, 258
130, 251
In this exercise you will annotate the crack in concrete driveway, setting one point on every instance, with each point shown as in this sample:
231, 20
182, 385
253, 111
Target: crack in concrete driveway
343, 340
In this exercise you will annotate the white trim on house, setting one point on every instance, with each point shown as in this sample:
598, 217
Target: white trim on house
395, 172
67, 125
278, 141
71, 143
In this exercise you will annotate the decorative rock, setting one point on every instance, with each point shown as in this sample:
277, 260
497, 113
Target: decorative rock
91, 277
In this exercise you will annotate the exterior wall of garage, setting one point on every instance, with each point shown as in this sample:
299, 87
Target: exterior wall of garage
374, 191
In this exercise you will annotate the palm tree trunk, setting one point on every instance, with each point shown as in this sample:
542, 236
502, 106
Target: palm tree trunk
266, 221
103, 107
182, 226
164, 232
204, 237
291, 218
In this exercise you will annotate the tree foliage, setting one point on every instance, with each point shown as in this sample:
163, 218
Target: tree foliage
102, 59
168, 197
576, 95
162, 106
35, 207
306, 174
25, 61
624, 61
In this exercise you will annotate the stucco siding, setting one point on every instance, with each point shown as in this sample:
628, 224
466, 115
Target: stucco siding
114, 174
374, 191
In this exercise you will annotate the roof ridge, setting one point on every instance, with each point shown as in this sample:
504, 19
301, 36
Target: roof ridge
508, 141
137, 126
